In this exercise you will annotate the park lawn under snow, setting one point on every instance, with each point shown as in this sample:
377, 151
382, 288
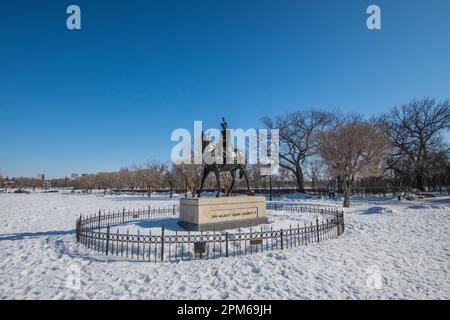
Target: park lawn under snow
390, 249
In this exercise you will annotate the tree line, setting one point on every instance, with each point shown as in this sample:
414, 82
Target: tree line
403, 150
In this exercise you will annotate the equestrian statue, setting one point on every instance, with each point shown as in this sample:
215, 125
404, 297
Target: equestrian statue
231, 166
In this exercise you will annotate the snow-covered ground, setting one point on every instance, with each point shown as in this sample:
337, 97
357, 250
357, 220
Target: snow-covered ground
390, 249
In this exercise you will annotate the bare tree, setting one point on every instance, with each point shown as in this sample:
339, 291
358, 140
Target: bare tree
103, 181
87, 183
316, 172
128, 179
150, 176
297, 133
256, 177
352, 149
438, 171
415, 130
282, 179
191, 175
171, 176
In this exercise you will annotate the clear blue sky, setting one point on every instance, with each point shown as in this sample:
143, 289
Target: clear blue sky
110, 94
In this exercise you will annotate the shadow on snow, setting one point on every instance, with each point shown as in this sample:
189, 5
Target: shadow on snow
28, 235
168, 223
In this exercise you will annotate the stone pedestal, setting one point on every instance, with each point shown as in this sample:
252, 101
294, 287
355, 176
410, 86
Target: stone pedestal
209, 214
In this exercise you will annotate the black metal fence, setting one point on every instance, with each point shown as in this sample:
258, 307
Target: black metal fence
95, 233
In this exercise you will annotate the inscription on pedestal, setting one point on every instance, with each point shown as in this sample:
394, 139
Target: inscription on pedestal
233, 213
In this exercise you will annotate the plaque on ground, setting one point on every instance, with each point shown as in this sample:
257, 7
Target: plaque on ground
222, 213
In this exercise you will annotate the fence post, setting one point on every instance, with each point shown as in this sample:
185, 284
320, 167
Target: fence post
162, 243
173, 209
281, 236
201, 239
81, 225
226, 241
107, 239
317, 228
337, 222
99, 214
77, 230
123, 215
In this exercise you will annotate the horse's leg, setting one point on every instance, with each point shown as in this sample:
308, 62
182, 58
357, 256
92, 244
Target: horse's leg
244, 172
233, 177
217, 173
204, 175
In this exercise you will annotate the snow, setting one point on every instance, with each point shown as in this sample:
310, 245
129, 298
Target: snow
390, 250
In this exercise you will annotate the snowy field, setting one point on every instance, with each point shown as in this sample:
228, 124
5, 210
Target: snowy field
390, 249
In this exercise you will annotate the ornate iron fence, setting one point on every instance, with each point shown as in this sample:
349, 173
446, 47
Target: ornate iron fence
95, 233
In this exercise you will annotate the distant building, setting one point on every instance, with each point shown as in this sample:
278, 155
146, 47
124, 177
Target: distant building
40, 177
74, 175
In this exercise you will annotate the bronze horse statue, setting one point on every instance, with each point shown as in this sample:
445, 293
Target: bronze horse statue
225, 167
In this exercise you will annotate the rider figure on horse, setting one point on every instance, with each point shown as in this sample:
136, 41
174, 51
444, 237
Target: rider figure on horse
232, 165
224, 126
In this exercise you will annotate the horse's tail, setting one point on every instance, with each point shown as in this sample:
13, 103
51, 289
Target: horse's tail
241, 174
